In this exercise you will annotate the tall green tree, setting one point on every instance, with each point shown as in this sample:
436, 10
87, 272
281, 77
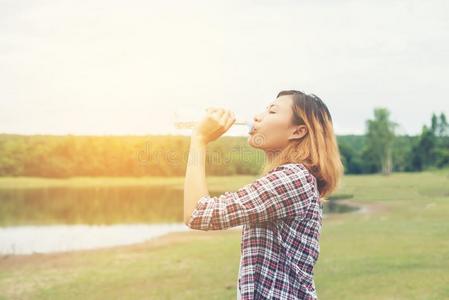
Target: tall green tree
432, 147
379, 140
423, 153
442, 147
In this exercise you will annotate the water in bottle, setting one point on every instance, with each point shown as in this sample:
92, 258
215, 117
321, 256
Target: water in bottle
188, 118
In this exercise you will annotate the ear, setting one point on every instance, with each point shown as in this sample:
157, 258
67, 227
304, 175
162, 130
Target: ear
299, 132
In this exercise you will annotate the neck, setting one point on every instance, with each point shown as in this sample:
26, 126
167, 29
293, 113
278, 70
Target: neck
272, 155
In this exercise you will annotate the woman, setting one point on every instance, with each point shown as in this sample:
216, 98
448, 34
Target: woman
281, 212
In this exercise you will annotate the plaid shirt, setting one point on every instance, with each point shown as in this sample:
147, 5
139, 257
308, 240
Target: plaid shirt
281, 217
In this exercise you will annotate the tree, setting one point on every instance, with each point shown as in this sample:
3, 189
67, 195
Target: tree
442, 147
379, 140
432, 148
424, 149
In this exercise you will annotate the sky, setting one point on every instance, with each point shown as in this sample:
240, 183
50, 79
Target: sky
123, 67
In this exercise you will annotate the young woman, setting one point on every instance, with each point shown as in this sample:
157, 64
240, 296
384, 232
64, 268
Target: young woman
281, 212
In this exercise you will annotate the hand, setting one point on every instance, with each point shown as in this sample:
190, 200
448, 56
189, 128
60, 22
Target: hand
214, 124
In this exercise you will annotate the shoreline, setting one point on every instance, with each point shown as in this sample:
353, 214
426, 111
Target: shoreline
10, 261
365, 208
175, 237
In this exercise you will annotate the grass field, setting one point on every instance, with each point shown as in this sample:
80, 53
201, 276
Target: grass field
398, 252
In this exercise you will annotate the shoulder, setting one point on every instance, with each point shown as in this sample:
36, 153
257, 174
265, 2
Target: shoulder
295, 170
292, 168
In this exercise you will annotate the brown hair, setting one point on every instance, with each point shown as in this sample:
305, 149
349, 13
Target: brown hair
318, 150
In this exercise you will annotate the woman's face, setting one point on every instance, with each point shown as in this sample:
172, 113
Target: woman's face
273, 128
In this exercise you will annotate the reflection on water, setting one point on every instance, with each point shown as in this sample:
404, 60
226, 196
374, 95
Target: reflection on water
90, 205
333, 207
66, 218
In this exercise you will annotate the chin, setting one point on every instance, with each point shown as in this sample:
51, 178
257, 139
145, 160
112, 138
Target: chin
256, 141
251, 143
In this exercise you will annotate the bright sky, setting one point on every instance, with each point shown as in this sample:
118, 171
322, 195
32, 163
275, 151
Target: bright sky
123, 67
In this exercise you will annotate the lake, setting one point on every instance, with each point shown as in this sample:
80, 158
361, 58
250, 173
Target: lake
45, 220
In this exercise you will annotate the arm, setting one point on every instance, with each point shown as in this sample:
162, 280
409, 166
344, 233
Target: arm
195, 185
215, 123
286, 191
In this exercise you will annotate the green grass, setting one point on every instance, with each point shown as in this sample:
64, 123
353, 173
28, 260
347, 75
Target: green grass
400, 253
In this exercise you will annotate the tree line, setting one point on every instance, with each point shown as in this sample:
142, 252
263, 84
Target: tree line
380, 149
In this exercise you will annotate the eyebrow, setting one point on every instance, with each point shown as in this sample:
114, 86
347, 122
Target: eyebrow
269, 106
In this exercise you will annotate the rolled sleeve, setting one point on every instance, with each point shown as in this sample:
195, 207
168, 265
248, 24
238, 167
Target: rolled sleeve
282, 193
202, 213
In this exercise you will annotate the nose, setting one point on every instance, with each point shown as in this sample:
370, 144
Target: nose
256, 118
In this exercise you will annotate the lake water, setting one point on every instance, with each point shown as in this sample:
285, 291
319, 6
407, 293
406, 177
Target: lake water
58, 219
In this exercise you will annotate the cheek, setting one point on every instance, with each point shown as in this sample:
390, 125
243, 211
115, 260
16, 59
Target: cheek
275, 134
277, 127
277, 121
276, 139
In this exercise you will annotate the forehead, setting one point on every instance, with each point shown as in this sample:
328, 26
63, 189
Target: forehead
281, 102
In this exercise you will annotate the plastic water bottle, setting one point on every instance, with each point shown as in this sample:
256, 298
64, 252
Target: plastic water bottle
188, 118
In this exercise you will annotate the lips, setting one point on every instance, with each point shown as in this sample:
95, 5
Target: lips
253, 130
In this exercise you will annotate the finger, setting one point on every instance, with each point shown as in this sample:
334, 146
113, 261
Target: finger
211, 109
225, 116
230, 121
218, 113
211, 112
